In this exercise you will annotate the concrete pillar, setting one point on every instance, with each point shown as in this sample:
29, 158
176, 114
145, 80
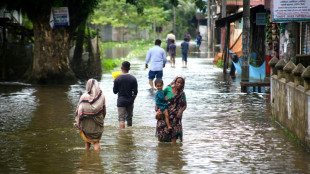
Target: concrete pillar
279, 66
288, 68
272, 63
298, 80
306, 76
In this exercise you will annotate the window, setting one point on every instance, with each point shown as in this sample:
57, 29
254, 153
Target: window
305, 38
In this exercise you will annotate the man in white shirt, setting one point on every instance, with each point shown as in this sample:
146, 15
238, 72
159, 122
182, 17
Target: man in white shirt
158, 59
169, 39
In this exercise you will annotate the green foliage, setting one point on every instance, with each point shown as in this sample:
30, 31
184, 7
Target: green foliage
27, 23
109, 64
93, 33
131, 43
174, 2
121, 14
140, 4
219, 63
201, 5
184, 14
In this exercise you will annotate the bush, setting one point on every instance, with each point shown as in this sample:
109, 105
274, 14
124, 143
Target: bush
219, 63
109, 64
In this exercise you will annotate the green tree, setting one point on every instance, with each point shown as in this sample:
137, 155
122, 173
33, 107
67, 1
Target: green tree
121, 14
185, 12
51, 48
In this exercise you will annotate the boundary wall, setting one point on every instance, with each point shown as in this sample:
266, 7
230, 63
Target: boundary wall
290, 97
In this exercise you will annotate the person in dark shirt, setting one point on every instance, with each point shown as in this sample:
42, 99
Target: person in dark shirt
198, 38
126, 86
172, 53
185, 50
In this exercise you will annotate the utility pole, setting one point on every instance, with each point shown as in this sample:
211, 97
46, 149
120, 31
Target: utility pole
225, 47
209, 28
245, 41
213, 13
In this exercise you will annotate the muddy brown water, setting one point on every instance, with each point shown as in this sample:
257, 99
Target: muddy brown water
225, 131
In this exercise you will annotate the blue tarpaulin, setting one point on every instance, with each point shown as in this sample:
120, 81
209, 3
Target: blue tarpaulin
255, 72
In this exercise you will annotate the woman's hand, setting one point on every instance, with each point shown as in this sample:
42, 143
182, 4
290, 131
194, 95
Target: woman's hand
76, 125
179, 114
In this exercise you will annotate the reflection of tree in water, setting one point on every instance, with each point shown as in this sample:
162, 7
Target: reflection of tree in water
90, 162
169, 157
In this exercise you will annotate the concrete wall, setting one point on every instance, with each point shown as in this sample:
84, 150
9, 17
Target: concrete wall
121, 34
290, 100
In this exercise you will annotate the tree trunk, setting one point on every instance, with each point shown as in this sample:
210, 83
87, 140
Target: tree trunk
154, 22
51, 54
3, 54
77, 64
174, 28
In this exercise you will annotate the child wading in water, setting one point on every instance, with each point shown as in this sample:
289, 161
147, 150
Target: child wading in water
161, 102
173, 53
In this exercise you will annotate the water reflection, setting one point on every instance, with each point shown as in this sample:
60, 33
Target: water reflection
126, 157
115, 52
90, 162
169, 158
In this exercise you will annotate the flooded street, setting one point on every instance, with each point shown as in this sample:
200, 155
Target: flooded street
225, 131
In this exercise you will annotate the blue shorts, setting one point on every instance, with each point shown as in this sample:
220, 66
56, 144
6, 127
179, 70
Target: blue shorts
184, 57
158, 74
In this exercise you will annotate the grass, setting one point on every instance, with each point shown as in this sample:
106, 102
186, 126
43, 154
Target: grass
109, 64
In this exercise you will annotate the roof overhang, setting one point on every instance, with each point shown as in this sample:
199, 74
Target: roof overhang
223, 21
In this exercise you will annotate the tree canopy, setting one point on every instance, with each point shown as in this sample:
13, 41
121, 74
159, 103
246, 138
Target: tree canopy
51, 48
121, 14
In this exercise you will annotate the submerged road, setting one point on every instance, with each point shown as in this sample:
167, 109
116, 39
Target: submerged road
225, 131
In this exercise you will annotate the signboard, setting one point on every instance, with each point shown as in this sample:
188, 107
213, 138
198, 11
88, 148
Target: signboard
290, 10
260, 18
59, 17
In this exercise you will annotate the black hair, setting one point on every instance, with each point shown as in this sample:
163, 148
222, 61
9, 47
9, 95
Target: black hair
185, 39
172, 41
171, 31
157, 42
158, 81
126, 65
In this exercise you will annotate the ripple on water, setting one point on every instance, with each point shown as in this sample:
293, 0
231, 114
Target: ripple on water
224, 131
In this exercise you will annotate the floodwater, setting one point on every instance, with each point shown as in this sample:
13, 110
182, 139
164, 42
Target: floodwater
225, 131
115, 52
